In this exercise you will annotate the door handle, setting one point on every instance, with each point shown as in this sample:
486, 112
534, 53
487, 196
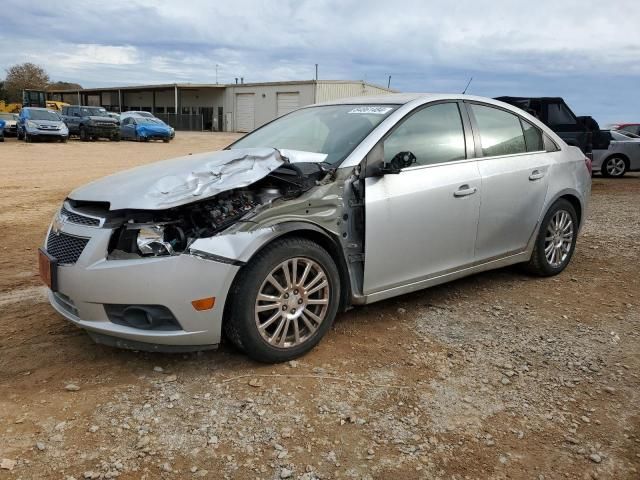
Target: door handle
465, 191
536, 175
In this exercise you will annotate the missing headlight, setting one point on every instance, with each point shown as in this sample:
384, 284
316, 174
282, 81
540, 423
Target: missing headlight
160, 239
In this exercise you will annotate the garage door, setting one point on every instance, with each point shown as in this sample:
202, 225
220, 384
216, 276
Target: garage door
245, 112
288, 102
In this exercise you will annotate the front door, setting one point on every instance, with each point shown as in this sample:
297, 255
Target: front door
515, 175
423, 221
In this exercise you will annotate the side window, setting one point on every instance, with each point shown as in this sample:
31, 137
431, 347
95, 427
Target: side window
558, 114
532, 137
433, 134
126, 121
500, 131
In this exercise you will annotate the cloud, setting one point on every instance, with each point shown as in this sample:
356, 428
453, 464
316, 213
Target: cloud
509, 47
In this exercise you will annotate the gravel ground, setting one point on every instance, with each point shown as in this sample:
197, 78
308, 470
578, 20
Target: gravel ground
499, 375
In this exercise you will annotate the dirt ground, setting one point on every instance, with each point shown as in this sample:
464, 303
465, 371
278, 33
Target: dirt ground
499, 375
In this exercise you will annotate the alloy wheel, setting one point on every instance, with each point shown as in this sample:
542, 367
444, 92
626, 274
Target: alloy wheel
559, 238
615, 166
292, 302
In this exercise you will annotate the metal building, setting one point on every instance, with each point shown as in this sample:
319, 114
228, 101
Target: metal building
239, 107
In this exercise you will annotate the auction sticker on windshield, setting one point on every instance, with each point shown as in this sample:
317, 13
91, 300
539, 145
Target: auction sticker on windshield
374, 110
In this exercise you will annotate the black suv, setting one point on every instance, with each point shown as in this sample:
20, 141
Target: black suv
582, 132
90, 123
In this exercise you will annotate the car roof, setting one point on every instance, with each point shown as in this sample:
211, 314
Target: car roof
416, 98
38, 108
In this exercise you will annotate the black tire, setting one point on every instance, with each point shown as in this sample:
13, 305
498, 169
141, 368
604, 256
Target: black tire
20, 135
539, 264
84, 135
240, 317
616, 173
115, 138
2, 139
166, 140
63, 139
28, 138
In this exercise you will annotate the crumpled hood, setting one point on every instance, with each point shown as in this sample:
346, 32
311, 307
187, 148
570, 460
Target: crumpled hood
183, 180
153, 129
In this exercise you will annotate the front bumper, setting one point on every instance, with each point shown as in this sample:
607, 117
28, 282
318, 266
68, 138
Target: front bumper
102, 131
93, 281
48, 133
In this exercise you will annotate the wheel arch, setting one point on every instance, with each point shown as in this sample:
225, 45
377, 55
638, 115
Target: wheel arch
311, 232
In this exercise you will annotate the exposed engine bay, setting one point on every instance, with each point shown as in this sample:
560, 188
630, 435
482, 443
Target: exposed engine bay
171, 231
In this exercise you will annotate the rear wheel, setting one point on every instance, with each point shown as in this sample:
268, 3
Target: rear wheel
63, 139
556, 240
614, 167
28, 138
284, 301
115, 138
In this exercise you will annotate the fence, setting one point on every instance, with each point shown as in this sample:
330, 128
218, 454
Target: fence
181, 121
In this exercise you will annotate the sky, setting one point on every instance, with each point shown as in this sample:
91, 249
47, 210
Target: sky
585, 51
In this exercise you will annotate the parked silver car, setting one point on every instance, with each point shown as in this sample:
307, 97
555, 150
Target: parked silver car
622, 156
333, 205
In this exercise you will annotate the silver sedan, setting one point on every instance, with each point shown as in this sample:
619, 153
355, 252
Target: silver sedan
622, 156
331, 206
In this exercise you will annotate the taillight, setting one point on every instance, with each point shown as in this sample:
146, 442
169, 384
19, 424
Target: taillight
587, 162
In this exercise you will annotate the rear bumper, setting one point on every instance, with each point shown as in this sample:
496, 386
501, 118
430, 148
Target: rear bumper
86, 286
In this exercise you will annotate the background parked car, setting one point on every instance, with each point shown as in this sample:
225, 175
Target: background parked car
1, 130
143, 114
90, 123
143, 129
622, 156
582, 132
39, 123
10, 124
627, 127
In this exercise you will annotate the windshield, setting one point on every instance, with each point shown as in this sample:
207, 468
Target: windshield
624, 133
148, 121
8, 116
44, 115
94, 111
144, 114
334, 130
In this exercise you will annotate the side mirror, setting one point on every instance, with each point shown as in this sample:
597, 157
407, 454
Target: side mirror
398, 162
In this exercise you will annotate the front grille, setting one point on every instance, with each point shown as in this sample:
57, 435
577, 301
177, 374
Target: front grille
80, 219
105, 124
66, 249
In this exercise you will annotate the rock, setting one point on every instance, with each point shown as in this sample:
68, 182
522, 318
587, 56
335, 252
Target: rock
7, 464
201, 473
194, 469
91, 474
174, 397
585, 419
158, 369
293, 363
256, 382
505, 381
94, 428
213, 440
143, 442
402, 311
171, 378
594, 457
72, 387
165, 467
41, 446
609, 389
285, 473
60, 426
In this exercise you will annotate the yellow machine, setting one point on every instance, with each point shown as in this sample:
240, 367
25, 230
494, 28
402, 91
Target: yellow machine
54, 105
9, 107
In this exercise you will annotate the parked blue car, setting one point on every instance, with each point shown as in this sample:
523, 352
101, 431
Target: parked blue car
143, 129
38, 123
2, 124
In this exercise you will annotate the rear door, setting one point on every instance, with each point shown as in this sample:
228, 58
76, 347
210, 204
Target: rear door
422, 222
514, 167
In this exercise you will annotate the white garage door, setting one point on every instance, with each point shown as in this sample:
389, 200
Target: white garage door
245, 112
288, 102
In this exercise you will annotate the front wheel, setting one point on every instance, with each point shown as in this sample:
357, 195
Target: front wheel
614, 167
284, 301
556, 240
84, 135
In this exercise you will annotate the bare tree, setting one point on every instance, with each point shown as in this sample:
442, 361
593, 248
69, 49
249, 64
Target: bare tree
64, 86
24, 75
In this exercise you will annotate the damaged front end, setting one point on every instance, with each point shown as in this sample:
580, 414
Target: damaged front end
206, 203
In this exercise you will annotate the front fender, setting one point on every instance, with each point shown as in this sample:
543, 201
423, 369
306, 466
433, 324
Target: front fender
239, 247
